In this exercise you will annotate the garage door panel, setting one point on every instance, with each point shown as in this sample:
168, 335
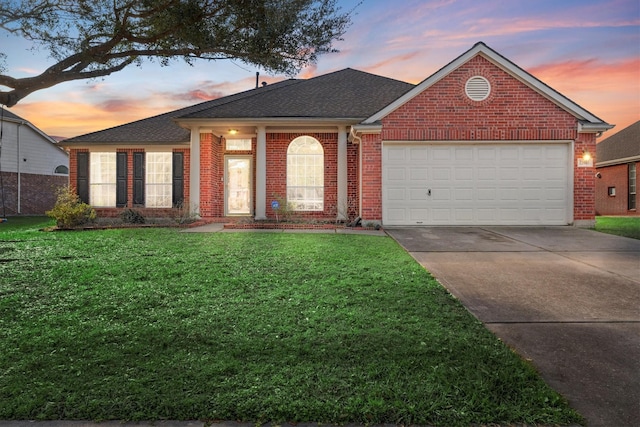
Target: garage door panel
488, 153
509, 174
441, 194
396, 174
556, 194
397, 194
515, 184
418, 174
464, 174
488, 194
396, 215
508, 153
441, 215
417, 194
440, 153
463, 194
485, 173
440, 174
487, 216
395, 154
418, 215
417, 154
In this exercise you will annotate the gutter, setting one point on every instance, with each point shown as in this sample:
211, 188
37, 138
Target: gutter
621, 161
598, 128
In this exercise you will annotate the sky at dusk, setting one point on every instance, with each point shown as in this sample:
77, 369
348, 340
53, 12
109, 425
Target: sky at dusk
588, 50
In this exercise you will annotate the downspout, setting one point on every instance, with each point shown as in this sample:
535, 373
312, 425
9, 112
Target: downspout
19, 208
357, 139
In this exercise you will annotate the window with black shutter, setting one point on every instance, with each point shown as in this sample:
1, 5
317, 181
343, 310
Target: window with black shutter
138, 178
121, 180
82, 180
178, 178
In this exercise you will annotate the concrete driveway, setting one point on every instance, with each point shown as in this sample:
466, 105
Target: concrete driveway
568, 299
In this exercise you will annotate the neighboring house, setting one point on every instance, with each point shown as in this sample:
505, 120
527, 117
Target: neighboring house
479, 142
617, 160
33, 166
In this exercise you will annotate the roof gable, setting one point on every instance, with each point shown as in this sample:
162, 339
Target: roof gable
589, 122
622, 147
8, 116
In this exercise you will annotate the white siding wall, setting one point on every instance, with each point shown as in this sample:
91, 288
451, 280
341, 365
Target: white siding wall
42, 157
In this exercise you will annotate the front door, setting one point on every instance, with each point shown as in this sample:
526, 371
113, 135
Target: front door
237, 178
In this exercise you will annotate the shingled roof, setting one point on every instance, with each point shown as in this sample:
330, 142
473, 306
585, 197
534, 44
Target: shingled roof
345, 94
622, 147
6, 114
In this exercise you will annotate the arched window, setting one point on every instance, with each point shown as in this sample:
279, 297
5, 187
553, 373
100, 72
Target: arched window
305, 174
62, 169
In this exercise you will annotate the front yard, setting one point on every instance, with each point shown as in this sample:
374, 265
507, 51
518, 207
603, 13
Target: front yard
156, 324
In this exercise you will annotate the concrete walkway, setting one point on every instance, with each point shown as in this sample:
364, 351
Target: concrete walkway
219, 228
567, 299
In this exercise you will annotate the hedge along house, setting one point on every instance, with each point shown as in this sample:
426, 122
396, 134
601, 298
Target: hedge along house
481, 141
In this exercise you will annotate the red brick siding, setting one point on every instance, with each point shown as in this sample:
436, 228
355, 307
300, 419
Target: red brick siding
371, 147
277, 145
37, 193
584, 184
73, 166
614, 176
512, 112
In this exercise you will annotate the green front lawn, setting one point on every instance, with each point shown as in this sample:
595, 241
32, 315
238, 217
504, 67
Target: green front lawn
620, 225
156, 324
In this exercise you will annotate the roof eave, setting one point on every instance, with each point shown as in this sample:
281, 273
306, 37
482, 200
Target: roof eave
279, 122
588, 127
618, 161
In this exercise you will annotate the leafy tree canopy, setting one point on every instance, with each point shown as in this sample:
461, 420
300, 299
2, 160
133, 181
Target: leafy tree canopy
95, 38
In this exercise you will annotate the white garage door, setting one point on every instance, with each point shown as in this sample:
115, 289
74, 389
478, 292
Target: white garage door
501, 184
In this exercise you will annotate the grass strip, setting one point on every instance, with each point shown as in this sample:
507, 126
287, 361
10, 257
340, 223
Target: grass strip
626, 226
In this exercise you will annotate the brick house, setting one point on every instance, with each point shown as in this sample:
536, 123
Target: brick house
617, 159
32, 165
481, 141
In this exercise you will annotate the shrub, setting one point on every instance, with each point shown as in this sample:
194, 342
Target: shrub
69, 211
132, 217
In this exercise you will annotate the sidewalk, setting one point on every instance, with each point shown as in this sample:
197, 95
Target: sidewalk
217, 227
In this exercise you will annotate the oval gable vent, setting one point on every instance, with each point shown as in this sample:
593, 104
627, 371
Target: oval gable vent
477, 88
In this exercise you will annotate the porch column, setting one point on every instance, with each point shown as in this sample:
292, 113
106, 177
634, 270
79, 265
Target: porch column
343, 199
194, 172
261, 173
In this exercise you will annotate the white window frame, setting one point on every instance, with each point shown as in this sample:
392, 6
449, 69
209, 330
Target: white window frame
305, 174
238, 144
102, 179
158, 190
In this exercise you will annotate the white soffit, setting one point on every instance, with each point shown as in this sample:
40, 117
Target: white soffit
482, 49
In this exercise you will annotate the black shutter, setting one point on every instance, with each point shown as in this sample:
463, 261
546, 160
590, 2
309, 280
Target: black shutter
82, 181
178, 178
121, 180
138, 178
